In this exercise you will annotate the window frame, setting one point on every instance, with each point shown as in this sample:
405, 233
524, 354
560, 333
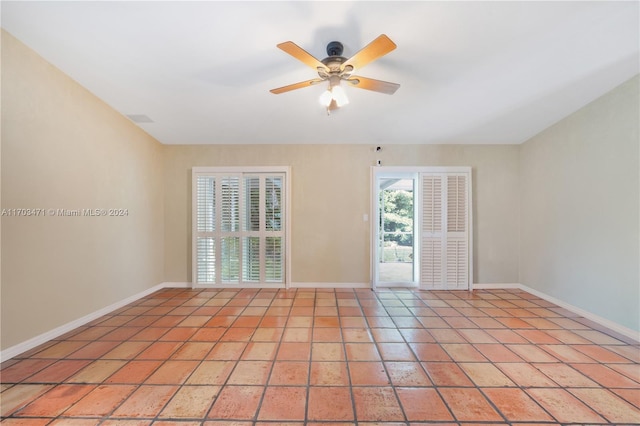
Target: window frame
286, 226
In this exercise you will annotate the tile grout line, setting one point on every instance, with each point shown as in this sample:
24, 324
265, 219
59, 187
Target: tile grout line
142, 383
95, 386
351, 387
436, 388
480, 389
559, 386
398, 326
393, 387
273, 361
186, 379
476, 386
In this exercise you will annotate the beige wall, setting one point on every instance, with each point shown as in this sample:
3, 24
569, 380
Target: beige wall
331, 193
64, 148
579, 208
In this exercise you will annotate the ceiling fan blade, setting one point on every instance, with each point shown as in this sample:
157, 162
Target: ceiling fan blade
296, 86
302, 55
372, 51
371, 84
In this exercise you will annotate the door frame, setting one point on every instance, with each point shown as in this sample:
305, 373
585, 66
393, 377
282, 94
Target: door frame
380, 171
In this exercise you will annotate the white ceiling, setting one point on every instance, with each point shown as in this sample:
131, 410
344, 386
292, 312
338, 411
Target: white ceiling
470, 72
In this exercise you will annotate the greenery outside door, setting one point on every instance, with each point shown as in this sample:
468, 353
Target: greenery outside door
396, 213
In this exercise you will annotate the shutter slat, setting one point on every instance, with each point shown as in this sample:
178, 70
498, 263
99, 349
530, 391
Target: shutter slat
274, 265
251, 259
206, 207
456, 203
457, 263
432, 204
273, 203
431, 247
457, 272
230, 259
206, 260
431, 262
252, 203
230, 204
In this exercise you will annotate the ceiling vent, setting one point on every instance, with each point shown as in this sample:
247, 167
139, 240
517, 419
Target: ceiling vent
139, 118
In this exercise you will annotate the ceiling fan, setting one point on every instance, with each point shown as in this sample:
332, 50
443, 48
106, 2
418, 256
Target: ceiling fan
335, 68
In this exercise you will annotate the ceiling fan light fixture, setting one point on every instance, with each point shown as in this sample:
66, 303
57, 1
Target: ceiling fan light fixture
338, 94
325, 98
334, 93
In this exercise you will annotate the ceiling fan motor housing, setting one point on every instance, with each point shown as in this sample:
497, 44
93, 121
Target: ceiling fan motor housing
334, 61
335, 48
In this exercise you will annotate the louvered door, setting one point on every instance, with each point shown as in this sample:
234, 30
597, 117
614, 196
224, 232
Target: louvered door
445, 254
431, 273
456, 241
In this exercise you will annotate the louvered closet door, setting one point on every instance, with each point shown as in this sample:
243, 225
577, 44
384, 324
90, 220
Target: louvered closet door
445, 231
431, 273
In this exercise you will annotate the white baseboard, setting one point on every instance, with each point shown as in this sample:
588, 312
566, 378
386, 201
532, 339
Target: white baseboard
175, 284
614, 326
490, 286
65, 328
330, 285
632, 334
270, 285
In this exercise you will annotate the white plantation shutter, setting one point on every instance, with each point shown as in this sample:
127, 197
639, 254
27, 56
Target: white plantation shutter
457, 272
445, 252
274, 264
456, 203
206, 190
251, 259
230, 259
457, 265
251, 244
273, 203
252, 203
238, 228
230, 204
274, 271
206, 264
205, 224
431, 263
432, 236
229, 226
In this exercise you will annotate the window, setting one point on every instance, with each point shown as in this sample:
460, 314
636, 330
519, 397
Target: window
239, 227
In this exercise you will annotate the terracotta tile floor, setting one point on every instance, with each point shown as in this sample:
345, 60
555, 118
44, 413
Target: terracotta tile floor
328, 357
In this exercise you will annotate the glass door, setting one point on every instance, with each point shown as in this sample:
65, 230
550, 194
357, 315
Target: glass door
396, 215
